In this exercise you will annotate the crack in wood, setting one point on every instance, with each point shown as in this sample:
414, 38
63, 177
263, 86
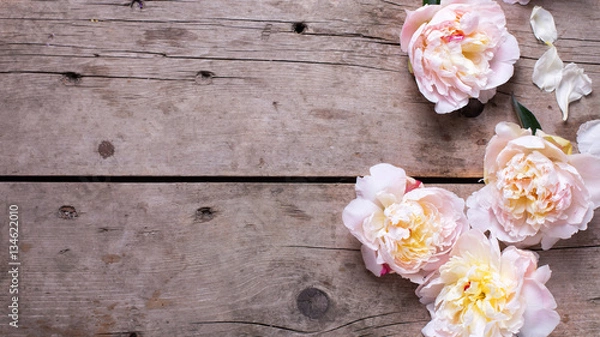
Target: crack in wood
537, 249
375, 327
392, 3
360, 320
324, 248
274, 326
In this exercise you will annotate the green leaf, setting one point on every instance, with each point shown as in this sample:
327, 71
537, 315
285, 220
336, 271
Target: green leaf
431, 2
526, 117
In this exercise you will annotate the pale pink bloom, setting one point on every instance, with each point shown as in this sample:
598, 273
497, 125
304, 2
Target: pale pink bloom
458, 50
483, 292
536, 191
404, 227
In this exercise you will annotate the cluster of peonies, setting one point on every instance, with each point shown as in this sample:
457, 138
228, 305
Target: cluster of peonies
536, 191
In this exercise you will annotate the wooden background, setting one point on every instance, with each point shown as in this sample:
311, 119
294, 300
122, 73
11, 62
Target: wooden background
180, 167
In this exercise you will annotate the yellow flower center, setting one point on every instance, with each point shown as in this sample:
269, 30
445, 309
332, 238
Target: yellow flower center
451, 49
531, 189
411, 231
475, 294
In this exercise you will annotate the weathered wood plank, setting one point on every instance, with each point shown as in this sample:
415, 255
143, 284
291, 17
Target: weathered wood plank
212, 88
226, 260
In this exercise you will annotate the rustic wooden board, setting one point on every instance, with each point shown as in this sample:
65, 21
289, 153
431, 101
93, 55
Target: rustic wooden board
229, 88
226, 260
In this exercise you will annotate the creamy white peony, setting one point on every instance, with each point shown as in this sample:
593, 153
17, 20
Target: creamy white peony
404, 227
536, 191
483, 292
458, 50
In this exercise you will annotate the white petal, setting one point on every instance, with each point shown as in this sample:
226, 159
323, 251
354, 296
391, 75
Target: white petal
543, 25
574, 85
547, 71
588, 137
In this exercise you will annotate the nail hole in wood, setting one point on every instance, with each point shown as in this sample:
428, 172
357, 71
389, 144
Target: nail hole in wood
67, 212
473, 109
140, 3
313, 303
299, 27
106, 149
134, 334
204, 214
204, 77
71, 78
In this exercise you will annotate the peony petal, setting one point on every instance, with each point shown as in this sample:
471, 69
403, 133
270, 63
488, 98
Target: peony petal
370, 257
540, 316
588, 167
543, 25
384, 178
503, 61
542, 274
444, 106
414, 20
588, 137
547, 71
355, 214
574, 85
548, 241
486, 95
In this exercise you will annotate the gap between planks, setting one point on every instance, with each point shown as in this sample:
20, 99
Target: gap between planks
220, 179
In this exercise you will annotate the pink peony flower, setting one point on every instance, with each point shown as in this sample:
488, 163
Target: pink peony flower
536, 191
404, 227
483, 292
458, 50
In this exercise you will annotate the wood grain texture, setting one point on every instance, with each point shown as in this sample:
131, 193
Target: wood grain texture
229, 88
227, 260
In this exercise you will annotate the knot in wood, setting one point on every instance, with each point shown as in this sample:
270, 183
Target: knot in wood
299, 27
204, 214
106, 149
71, 78
67, 212
313, 303
204, 77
